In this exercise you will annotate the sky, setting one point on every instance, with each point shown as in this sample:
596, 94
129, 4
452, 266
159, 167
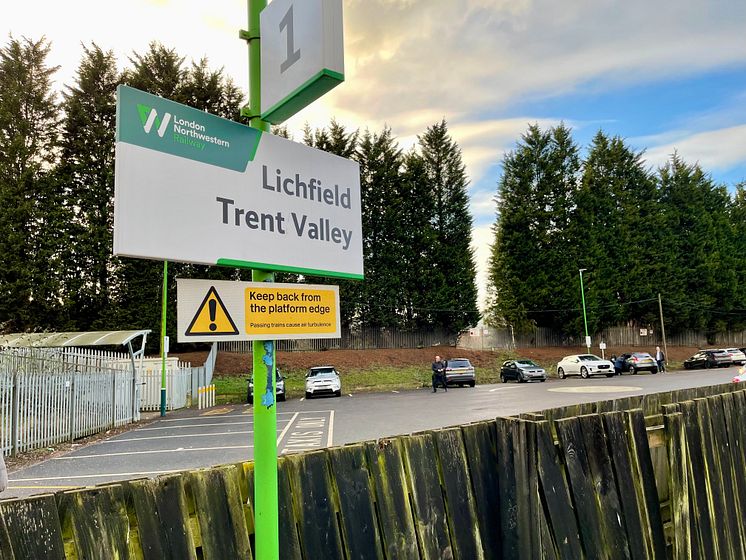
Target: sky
666, 75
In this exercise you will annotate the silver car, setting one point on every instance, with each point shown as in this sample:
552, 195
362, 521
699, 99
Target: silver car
584, 365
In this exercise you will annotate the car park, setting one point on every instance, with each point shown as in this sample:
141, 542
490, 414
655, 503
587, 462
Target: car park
737, 355
522, 370
708, 359
459, 371
323, 380
279, 388
584, 365
634, 362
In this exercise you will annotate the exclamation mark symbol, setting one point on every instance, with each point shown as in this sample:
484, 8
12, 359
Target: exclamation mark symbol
213, 307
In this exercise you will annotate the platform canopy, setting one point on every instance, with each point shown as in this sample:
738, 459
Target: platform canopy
66, 339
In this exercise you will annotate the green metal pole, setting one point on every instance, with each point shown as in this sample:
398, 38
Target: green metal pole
585, 318
164, 299
265, 410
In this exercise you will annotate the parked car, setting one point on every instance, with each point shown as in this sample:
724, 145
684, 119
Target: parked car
323, 380
459, 371
737, 355
584, 365
634, 362
708, 359
522, 370
279, 387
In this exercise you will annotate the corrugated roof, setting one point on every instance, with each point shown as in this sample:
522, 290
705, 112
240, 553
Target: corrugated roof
57, 340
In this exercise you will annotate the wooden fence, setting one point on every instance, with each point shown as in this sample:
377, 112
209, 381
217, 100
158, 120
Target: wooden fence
604, 485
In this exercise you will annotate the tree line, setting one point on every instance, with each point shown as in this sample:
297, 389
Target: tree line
57, 271
636, 231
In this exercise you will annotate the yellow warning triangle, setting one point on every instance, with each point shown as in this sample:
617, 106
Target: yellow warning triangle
212, 318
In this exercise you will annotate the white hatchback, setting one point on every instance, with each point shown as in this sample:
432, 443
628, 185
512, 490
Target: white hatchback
323, 380
584, 365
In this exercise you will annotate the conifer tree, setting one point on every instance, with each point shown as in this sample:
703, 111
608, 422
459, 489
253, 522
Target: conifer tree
31, 216
453, 292
86, 172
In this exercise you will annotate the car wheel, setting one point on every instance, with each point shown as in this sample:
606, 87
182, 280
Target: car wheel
561, 373
654, 371
281, 397
543, 380
338, 393
632, 370
308, 395
707, 364
584, 372
503, 379
609, 375
522, 379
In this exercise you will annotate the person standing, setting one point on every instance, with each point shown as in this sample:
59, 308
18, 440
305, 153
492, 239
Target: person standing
660, 358
438, 373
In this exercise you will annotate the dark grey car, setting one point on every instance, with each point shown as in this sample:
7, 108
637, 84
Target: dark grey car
522, 370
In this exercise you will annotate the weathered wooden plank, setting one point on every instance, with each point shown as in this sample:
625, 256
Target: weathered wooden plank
507, 488
162, 518
630, 496
6, 550
481, 456
679, 485
553, 487
582, 488
313, 504
602, 476
386, 466
548, 549
701, 512
290, 547
726, 450
713, 477
357, 508
461, 512
527, 488
34, 528
222, 524
640, 453
422, 466
245, 474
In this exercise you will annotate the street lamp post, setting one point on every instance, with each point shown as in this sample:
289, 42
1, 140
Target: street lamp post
585, 318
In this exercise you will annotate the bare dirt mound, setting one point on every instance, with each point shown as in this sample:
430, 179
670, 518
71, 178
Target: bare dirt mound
346, 360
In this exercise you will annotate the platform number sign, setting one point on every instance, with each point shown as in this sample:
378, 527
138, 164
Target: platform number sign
302, 54
292, 54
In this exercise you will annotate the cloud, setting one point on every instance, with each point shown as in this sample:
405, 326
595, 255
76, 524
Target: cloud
481, 241
713, 149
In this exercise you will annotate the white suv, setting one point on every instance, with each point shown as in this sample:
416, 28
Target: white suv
323, 380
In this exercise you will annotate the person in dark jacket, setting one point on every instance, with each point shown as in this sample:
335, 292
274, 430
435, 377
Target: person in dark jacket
439, 374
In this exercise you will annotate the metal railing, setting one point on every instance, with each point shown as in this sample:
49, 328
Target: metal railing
48, 396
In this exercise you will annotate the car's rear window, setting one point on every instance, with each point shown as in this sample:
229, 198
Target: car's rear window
459, 363
642, 355
321, 371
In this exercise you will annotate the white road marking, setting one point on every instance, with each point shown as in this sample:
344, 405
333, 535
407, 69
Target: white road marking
179, 436
149, 452
173, 427
504, 388
282, 434
596, 389
331, 429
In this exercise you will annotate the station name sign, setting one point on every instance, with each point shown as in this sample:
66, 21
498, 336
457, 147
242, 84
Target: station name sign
193, 187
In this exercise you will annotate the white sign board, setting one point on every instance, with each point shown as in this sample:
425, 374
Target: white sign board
302, 54
602, 346
220, 310
192, 187
588, 341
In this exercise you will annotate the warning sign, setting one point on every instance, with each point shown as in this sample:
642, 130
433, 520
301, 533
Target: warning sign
212, 318
282, 310
222, 310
